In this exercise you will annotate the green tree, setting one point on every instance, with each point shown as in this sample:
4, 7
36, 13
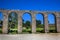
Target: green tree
12, 20
1, 23
38, 23
27, 24
23, 24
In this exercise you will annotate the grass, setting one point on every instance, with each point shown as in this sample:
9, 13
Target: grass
0, 31
40, 30
13, 31
25, 30
52, 29
37, 29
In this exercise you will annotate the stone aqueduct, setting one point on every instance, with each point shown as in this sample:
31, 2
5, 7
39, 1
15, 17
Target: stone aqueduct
21, 12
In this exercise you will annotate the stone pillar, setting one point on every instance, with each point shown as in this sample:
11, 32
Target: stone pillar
58, 22
33, 23
19, 23
46, 23
5, 24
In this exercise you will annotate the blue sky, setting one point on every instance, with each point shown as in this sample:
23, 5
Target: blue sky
42, 5
53, 5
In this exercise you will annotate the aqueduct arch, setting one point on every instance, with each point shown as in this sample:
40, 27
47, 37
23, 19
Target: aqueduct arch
14, 25
53, 18
20, 13
26, 27
41, 23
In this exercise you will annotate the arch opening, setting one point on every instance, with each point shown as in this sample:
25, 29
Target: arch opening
12, 23
52, 23
39, 23
26, 23
1, 22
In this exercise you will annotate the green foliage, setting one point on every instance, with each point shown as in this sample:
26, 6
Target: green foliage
52, 29
0, 30
40, 30
13, 22
1, 23
38, 22
27, 26
27, 30
39, 26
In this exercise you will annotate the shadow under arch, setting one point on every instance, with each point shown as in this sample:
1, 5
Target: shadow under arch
26, 22
40, 23
12, 23
1, 21
52, 23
